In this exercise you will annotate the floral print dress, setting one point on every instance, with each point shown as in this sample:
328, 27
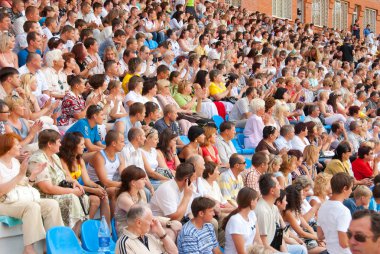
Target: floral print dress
71, 208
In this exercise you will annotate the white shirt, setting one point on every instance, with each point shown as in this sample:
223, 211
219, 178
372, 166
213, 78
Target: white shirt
281, 142
47, 32
151, 157
7, 174
333, 216
238, 225
21, 43
132, 156
213, 191
56, 81
298, 144
41, 80
132, 96
166, 199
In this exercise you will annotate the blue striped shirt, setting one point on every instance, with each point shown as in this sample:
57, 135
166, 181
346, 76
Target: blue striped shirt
196, 241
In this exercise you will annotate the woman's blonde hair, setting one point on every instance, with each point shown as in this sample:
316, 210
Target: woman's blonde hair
26, 81
182, 85
4, 41
321, 183
287, 163
311, 154
209, 131
13, 102
275, 160
279, 113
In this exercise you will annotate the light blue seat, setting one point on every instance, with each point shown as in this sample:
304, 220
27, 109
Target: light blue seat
62, 240
245, 151
114, 232
239, 130
327, 128
89, 236
248, 163
218, 120
236, 145
184, 139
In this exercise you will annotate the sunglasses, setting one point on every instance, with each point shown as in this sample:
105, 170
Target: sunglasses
358, 237
242, 163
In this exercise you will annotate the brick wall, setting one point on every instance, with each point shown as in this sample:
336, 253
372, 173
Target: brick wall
265, 6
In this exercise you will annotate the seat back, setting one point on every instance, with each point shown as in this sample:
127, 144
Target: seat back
240, 138
114, 232
89, 236
218, 120
62, 240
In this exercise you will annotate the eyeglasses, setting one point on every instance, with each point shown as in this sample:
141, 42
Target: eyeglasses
5, 112
242, 163
358, 237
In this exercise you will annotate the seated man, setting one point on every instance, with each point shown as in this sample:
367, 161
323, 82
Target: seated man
361, 199
136, 115
230, 181
198, 235
173, 198
105, 166
138, 235
223, 142
88, 127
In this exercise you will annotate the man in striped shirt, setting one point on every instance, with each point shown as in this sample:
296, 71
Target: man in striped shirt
198, 235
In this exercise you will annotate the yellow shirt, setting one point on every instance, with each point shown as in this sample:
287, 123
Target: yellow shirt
216, 88
336, 166
125, 82
76, 174
200, 51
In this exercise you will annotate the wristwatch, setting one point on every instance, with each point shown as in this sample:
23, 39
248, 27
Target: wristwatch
169, 224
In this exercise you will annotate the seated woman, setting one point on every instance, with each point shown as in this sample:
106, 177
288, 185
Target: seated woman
19, 125
299, 142
201, 77
209, 150
134, 68
154, 165
270, 134
240, 225
321, 190
218, 90
284, 176
135, 87
310, 160
132, 192
362, 165
196, 137
70, 154
341, 160
253, 130
115, 98
53, 183
327, 111
186, 100
212, 189
299, 169
29, 84
167, 150
298, 225
37, 214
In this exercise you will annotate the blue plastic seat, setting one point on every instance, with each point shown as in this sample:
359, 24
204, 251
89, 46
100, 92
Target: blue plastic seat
218, 120
227, 117
236, 145
89, 236
248, 163
245, 151
327, 128
184, 139
114, 232
239, 130
62, 240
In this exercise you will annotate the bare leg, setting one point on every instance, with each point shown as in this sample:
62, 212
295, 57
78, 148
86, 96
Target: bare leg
111, 191
94, 205
105, 209
29, 249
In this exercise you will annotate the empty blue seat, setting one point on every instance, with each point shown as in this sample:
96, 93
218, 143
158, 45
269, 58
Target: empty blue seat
236, 145
62, 240
240, 138
89, 236
114, 232
218, 120
327, 128
184, 139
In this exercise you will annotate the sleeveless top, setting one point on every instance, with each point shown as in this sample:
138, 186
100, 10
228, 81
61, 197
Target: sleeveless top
23, 133
111, 168
77, 174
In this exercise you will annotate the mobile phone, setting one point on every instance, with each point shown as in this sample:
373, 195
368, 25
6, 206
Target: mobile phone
188, 181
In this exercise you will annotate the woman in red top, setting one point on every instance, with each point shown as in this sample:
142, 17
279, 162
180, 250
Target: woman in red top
361, 166
209, 150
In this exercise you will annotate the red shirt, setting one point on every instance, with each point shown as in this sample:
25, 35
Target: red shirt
361, 169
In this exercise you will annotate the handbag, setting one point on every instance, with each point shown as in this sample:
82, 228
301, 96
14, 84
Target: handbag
21, 193
277, 239
165, 172
66, 184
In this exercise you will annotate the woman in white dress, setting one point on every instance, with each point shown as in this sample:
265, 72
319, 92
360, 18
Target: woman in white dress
135, 86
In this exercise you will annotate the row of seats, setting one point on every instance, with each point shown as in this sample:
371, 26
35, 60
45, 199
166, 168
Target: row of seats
89, 239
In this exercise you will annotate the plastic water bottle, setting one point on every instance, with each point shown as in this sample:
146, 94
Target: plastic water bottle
104, 237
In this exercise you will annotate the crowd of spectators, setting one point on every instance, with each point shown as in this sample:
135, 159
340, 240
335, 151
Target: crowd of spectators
109, 107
